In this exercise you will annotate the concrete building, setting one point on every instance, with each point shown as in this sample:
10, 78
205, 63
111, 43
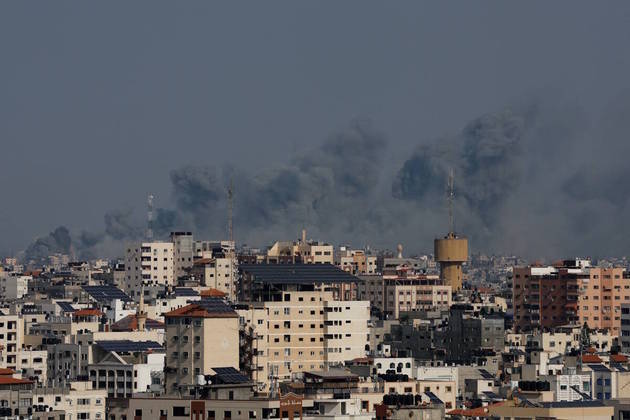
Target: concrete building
77, 401
305, 331
183, 253
14, 285
149, 265
16, 397
303, 251
220, 273
571, 292
199, 336
355, 261
12, 337
396, 294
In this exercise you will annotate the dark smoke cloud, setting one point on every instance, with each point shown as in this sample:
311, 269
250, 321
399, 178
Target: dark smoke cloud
529, 179
58, 241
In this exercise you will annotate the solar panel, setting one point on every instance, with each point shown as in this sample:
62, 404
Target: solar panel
229, 375
297, 273
491, 395
105, 294
599, 368
618, 366
214, 305
185, 291
66, 306
485, 374
128, 345
433, 398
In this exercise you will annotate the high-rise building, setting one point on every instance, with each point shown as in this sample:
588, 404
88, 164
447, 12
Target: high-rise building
148, 265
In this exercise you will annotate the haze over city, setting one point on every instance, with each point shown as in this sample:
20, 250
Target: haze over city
342, 119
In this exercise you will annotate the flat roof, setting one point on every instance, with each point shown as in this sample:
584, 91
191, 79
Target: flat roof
297, 273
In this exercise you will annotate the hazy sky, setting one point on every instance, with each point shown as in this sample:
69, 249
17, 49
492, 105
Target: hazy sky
100, 101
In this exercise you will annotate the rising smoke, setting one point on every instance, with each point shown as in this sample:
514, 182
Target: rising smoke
538, 179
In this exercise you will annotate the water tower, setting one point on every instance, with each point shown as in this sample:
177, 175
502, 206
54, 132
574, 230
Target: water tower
451, 251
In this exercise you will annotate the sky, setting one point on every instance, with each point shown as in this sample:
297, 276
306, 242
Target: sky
350, 103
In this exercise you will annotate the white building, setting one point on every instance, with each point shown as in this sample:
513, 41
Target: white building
148, 265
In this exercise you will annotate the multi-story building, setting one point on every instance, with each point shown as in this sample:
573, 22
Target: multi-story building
183, 253
77, 401
302, 251
571, 292
12, 337
148, 265
199, 336
394, 294
307, 330
14, 285
219, 273
355, 261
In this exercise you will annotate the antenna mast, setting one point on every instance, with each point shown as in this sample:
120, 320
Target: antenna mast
451, 195
150, 218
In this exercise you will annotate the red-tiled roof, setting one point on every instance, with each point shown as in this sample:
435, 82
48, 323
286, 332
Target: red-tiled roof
474, 412
619, 358
6, 371
130, 323
591, 358
591, 350
197, 311
212, 293
7, 380
203, 261
87, 312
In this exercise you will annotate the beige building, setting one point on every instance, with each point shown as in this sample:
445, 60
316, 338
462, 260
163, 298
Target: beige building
304, 251
78, 401
199, 336
308, 330
149, 265
355, 261
219, 273
395, 294
583, 410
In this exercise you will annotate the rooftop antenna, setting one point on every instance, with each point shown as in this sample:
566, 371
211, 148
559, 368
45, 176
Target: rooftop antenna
150, 217
451, 196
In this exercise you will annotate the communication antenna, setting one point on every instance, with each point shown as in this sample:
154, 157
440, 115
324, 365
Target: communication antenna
451, 196
150, 217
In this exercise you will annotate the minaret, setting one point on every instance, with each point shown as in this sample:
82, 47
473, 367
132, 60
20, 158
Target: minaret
141, 313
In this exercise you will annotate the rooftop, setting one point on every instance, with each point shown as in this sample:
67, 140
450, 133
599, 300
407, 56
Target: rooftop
206, 308
297, 273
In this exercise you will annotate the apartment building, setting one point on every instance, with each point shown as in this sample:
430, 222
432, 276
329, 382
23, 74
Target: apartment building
148, 265
14, 285
12, 338
571, 292
199, 336
355, 261
77, 401
303, 251
394, 294
306, 330
183, 253
219, 273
